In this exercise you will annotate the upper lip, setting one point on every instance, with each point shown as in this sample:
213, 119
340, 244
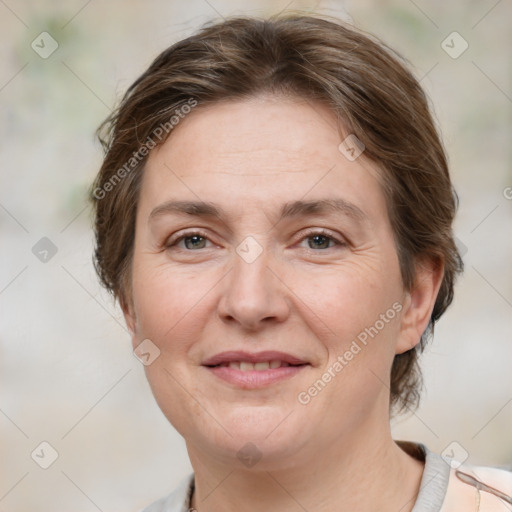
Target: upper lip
255, 357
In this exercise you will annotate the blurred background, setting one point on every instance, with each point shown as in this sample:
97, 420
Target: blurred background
69, 379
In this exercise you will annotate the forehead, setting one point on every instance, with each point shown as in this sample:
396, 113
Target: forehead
264, 150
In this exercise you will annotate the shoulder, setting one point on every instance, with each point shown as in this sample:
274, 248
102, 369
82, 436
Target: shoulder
478, 488
177, 501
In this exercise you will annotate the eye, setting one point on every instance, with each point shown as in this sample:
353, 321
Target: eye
321, 240
196, 240
191, 241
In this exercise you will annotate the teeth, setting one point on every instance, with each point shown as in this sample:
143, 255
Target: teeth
261, 366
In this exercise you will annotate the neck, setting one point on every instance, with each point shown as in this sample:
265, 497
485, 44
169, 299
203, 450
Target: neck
366, 473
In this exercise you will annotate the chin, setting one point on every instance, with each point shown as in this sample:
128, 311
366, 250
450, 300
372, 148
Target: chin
259, 438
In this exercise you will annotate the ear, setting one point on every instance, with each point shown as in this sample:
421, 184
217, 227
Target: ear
129, 316
419, 303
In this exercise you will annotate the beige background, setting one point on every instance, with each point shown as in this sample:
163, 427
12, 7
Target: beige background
68, 376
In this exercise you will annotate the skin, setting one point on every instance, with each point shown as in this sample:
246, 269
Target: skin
306, 296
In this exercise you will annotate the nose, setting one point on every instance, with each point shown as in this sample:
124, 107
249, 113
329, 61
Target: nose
254, 294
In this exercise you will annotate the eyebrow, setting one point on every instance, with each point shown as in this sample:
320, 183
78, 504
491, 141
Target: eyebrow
289, 210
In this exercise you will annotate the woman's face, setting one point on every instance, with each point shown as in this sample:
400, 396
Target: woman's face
278, 316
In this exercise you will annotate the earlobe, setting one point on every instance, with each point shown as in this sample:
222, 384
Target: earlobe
419, 303
129, 317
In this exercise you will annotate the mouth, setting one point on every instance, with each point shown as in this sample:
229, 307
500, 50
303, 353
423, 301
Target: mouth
249, 371
247, 366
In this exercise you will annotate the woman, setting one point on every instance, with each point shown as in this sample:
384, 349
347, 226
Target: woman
274, 213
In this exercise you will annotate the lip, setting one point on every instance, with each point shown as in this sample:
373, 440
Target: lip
256, 357
253, 379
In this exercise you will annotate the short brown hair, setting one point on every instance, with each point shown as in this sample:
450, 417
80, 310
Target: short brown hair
365, 83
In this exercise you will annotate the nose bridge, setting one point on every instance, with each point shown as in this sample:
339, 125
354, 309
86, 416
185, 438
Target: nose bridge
250, 266
252, 293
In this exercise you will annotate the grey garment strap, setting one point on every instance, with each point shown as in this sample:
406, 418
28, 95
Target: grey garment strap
434, 482
177, 501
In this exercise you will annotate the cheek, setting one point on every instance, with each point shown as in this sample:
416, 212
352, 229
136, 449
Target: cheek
355, 317
353, 312
169, 304
347, 298
170, 311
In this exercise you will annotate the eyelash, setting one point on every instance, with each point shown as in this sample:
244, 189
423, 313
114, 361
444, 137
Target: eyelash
309, 234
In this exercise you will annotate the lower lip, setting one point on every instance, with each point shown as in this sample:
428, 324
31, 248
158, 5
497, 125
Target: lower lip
252, 379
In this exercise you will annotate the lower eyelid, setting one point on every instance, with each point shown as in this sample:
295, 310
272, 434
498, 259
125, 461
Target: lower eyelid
335, 245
